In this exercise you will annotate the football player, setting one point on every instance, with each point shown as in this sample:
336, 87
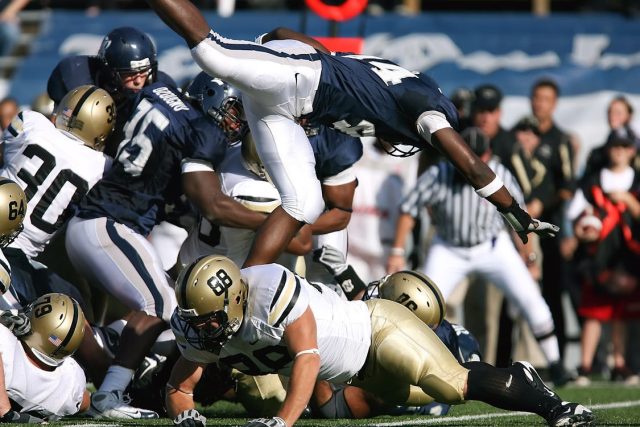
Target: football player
125, 63
265, 319
56, 164
358, 95
334, 154
40, 382
167, 141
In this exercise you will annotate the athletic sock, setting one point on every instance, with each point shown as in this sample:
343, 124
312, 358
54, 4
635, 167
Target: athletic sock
507, 388
117, 378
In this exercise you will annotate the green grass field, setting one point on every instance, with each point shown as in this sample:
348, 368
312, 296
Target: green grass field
613, 405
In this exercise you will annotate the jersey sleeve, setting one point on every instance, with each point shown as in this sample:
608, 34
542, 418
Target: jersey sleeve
206, 147
70, 73
74, 399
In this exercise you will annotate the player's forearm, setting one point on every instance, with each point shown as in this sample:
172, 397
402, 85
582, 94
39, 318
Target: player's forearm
403, 228
227, 212
330, 221
183, 17
177, 401
302, 381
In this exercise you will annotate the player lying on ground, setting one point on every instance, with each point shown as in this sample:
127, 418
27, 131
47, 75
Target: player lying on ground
266, 319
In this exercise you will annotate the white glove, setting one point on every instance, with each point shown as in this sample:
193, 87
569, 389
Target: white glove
18, 323
266, 422
190, 418
331, 258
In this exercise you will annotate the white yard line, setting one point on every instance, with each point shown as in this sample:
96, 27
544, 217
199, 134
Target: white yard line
438, 420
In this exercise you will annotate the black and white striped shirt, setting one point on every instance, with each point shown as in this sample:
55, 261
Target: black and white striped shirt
461, 217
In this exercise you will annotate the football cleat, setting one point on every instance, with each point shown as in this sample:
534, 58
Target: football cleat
115, 405
570, 414
534, 379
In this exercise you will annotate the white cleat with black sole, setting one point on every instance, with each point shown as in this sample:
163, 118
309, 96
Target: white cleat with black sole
115, 405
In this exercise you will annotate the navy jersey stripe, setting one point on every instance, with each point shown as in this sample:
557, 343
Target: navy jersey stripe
253, 47
292, 303
133, 256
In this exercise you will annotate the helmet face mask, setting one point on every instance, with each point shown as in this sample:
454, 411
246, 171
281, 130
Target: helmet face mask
124, 52
222, 102
13, 208
89, 114
57, 328
211, 299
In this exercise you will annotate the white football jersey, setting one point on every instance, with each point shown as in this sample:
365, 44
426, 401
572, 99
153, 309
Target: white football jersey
54, 169
277, 297
50, 394
244, 186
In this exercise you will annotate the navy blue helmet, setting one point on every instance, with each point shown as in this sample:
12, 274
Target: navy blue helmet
221, 102
126, 50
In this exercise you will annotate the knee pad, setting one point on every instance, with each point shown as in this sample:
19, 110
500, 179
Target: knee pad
336, 406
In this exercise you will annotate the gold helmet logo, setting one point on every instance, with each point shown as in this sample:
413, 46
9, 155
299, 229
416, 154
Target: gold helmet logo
88, 113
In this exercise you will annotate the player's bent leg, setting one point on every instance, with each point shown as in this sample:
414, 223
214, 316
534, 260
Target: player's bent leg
261, 396
424, 361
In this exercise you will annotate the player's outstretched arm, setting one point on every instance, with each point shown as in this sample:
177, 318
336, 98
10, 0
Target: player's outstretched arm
301, 339
487, 185
183, 17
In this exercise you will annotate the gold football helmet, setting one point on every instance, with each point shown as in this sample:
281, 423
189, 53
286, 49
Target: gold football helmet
250, 158
57, 328
43, 104
417, 292
211, 290
88, 113
13, 208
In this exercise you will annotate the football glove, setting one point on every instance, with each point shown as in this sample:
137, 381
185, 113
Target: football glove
523, 224
266, 422
190, 418
331, 258
15, 417
17, 323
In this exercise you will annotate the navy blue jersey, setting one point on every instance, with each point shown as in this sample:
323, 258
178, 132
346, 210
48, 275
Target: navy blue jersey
367, 96
334, 151
459, 341
162, 131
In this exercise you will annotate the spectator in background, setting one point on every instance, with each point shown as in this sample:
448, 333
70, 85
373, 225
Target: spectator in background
619, 116
486, 114
8, 110
462, 99
557, 153
10, 24
383, 182
607, 256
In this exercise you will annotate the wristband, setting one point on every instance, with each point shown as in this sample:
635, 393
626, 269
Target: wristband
397, 251
350, 283
490, 188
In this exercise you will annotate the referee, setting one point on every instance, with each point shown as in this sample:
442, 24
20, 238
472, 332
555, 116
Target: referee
471, 237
